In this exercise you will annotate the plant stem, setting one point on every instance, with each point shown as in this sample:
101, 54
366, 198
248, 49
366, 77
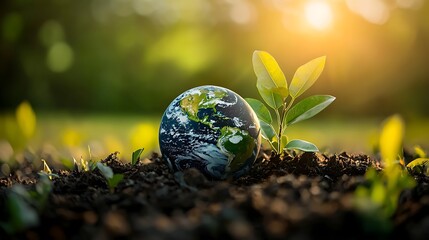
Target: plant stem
281, 118
279, 121
272, 146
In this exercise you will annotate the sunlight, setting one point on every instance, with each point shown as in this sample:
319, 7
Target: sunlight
318, 14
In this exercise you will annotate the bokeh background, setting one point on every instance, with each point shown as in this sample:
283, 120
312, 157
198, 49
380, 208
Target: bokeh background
100, 73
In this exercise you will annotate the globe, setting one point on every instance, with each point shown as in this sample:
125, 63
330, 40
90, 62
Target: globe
211, 129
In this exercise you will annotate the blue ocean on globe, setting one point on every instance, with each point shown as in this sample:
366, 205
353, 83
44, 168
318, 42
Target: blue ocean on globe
211, 129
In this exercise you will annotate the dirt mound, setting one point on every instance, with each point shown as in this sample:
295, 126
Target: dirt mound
296, 196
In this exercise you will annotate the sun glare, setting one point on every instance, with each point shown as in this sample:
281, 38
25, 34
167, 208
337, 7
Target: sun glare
318, 14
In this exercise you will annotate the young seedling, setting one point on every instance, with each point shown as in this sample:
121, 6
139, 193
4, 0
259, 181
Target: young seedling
378, 200
86, 165
112, 179
46, 171
274, 90
136, 156
419, 166
24, 206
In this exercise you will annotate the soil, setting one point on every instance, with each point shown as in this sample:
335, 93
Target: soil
304, 196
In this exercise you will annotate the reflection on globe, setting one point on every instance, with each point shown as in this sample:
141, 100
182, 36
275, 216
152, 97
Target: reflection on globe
211, 129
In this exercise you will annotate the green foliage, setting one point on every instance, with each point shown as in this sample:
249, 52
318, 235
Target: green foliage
379, 198
112, 179
307, 108
419, 166
46, 169
24, 206
85, 165
136, 156
274, 90
301, 145
21, 214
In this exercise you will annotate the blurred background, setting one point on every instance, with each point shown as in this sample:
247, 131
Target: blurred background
99, 73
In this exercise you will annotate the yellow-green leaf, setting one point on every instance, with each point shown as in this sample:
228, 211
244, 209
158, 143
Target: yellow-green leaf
284, 141
269, 73
391, 137
301, 145
260, 109
419, 151
273, 99
136, 155
46, 168
307, 108
419, 165
306, 75
268, 132
26, 119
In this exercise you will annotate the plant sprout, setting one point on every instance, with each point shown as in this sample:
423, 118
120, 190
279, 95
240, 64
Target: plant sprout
46, 171
379, 198
24, 206
112, 179
85, 165
136, 156
419, 166
274, 90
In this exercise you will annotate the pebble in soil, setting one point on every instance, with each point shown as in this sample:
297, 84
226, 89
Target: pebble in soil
295, 196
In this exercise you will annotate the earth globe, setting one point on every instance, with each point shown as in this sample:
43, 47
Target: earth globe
212, 129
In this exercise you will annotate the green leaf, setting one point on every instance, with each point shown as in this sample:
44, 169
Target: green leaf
21, 214
268, 132
46, 168
272, 98
115, 180
419, 165
307, 108
419, 151
260, 109
301, 145
136, 155
391, 137
269, 73
284, 141
26, 119
84, 164
105, 170
306, 75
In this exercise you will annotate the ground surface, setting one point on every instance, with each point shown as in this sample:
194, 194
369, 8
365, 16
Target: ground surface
296, 196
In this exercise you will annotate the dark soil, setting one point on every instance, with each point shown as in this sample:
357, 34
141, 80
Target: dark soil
304, 196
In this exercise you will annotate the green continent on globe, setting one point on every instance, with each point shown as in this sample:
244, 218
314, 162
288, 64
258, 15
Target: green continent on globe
237, 144
203, 99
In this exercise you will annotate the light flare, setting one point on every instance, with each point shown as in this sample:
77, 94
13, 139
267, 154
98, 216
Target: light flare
318, 14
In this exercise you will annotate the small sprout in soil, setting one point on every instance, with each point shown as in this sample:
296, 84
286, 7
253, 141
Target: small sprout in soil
46, 169
378, 200
419, 166
274, 90
21, 214
24, 206
136, 156
86, 165
75, 165
112, 179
